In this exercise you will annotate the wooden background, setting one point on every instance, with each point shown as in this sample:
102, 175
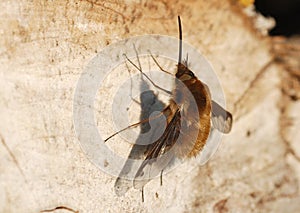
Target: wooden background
44, 47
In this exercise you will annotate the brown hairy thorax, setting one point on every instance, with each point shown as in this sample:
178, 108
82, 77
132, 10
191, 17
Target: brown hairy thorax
190, 145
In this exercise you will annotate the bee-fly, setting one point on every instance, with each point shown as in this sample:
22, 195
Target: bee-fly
190, 116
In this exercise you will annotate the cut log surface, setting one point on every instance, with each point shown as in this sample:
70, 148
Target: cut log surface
46, 45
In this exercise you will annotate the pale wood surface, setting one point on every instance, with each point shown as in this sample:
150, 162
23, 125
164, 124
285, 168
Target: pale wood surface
44, 48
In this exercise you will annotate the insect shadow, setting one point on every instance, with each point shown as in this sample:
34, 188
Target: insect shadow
150, 130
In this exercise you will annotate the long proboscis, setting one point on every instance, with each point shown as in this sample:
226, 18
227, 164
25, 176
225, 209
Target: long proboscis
180, 40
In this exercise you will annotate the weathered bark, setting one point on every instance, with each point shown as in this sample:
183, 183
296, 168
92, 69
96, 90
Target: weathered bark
44, 48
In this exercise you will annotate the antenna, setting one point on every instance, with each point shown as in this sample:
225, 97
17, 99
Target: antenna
180, 40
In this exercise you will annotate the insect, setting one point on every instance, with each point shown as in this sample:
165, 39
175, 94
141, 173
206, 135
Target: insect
190, 116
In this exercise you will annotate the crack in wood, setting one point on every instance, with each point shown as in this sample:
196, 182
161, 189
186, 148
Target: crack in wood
271, 198
252, 84
107, 8
286, 53
284, 125
60, 207
13, 157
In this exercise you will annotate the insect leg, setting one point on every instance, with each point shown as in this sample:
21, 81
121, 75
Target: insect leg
134, 125
157, 64
131, 85
161, 173
166, 91
143, 195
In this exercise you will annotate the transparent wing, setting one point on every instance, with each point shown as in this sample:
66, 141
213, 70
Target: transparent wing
158, 158
137, 153
122, 185
221, 119
222, 123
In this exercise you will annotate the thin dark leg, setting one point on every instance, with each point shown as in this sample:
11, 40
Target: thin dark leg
157, 64
143, 195
131, 85
166, 91
161, 173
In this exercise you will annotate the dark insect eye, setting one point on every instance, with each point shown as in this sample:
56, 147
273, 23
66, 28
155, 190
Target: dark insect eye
191, 74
